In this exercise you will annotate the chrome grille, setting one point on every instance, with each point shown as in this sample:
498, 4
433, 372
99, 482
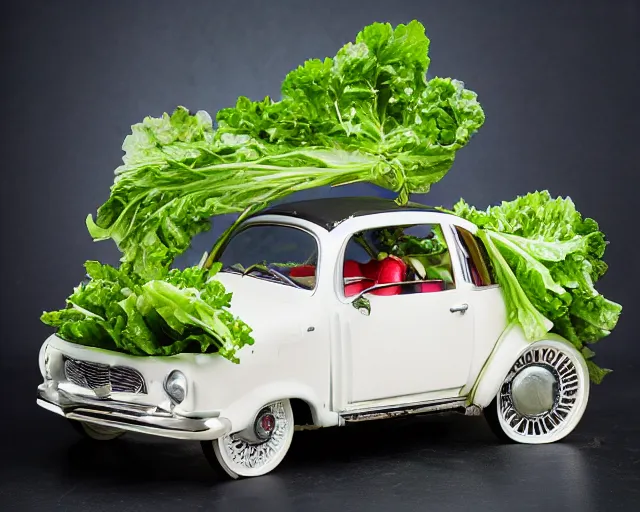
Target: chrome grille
95, 375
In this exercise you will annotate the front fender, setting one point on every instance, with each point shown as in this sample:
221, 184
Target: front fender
242, 411
511, 345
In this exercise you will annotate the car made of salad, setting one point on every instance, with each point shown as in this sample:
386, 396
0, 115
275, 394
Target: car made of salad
361, 309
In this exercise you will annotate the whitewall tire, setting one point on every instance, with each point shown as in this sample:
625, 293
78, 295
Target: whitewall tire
258, 450
543, 397
96, 432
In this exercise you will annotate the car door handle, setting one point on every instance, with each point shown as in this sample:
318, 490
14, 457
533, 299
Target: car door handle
462, 308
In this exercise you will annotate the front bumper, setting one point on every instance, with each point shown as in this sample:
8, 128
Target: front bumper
146, 419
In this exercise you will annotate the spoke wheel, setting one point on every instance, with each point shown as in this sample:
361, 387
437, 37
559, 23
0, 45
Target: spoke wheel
543, 397
96, 432
258, 450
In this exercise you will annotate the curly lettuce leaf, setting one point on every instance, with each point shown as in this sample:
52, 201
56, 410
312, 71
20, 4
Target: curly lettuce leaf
366, 115
183, 312
547, 259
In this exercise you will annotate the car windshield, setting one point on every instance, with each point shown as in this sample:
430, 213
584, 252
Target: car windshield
278, 253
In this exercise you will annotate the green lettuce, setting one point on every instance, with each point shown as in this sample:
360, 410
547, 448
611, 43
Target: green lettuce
366, 115
186, 311
547, 259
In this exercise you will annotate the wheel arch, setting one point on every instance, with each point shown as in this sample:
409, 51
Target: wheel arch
511, 345
302, 412
304, 401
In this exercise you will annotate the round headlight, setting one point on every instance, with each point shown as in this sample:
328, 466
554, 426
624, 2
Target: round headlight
176, 386
42, 361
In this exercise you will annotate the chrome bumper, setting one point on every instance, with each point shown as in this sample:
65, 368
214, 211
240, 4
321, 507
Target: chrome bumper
147, 419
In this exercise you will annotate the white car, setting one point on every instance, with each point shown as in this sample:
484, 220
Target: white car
343, 333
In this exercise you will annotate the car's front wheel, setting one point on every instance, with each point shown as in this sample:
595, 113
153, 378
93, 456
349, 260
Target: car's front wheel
543, 397
257, 450
96, 432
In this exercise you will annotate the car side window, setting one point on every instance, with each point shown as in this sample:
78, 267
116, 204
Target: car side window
397, 260
278, 253
476, 264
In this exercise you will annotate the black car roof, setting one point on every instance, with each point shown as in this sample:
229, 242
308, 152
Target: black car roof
329, 212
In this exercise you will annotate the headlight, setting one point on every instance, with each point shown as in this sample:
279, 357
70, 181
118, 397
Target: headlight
42, 361
176, 386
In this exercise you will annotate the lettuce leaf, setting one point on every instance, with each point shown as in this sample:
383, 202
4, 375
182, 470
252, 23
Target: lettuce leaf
366, 115
186, 311
547, 259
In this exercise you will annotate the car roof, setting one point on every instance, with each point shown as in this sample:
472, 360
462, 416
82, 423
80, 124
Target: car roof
331, 211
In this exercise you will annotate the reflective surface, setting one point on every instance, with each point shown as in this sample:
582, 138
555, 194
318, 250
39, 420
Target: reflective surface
421, 464
252, 455
534, 390
545, 399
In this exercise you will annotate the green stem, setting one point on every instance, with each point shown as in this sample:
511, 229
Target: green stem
227, 233
360, 239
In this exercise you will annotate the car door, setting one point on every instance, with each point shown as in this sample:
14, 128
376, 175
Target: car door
413, 345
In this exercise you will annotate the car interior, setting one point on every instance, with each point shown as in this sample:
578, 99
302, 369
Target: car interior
370, 262
385, 261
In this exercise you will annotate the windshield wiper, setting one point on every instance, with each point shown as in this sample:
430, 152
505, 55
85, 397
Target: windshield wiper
232, 269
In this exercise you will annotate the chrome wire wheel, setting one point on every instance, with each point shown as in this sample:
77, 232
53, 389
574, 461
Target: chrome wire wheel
543, 397
260, 448
95, 431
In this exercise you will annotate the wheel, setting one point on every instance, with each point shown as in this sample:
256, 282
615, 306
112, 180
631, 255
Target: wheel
257, 450
543, 397
96, 432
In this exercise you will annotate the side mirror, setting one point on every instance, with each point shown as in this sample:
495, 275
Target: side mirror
362, 304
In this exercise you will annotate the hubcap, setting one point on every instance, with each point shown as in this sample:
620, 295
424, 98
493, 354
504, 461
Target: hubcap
534, 390
265, 425
540, 393
271, 428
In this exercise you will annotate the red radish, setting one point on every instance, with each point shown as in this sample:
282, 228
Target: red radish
303, 271
392, 270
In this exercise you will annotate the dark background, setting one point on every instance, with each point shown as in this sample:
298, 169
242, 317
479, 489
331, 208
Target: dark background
559, 82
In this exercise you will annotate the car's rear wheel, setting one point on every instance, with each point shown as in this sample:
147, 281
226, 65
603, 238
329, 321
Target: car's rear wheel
257, 450
96, 432
543, 397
